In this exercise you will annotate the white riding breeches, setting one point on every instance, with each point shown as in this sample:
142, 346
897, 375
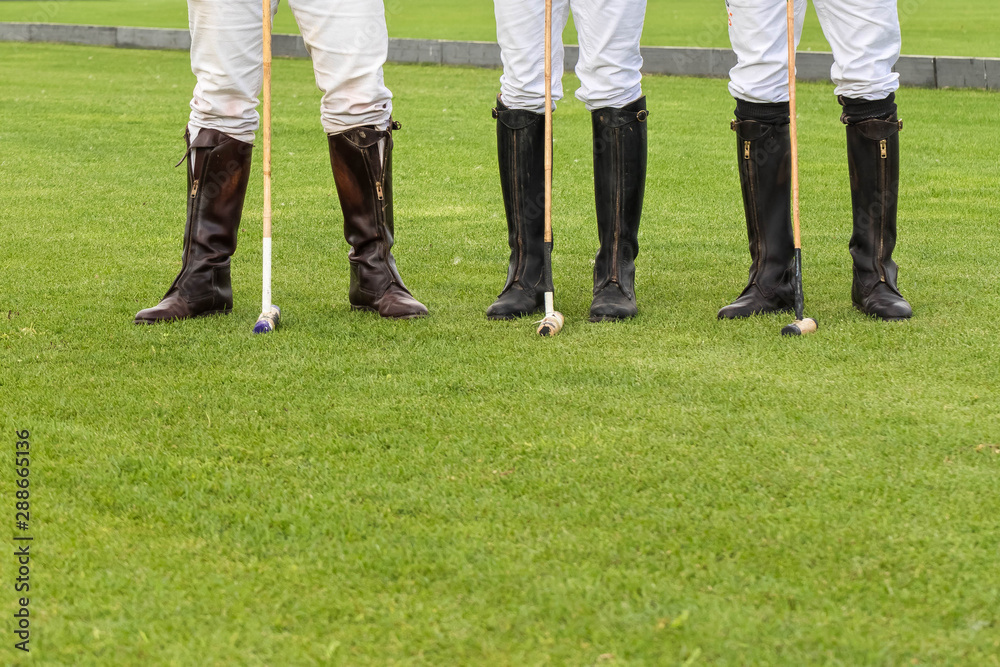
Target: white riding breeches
864, 36
609, 64
346, 39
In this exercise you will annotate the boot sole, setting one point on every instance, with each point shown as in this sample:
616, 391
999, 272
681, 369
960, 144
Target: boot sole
879, 317
610, 318
513, 316
369, 309
783, 311
210, 313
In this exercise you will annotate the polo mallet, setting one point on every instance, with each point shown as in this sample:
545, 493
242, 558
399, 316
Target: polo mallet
802, 325
552, 323
269, 313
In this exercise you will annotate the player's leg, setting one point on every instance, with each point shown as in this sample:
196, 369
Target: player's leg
348, 43
611, 88
865, 39
519, 113
226, 55
521, 35
759, 83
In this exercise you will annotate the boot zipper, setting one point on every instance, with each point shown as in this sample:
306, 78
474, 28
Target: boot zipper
883, 178
619, 186
192, 214
753, 210
369, 162
380, 192
379, 212
516, 208
380, 182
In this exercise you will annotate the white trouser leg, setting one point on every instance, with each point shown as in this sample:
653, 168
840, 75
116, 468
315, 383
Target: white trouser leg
864, 37
609, 32
866, 41
521, 35
609, 64
348, 43
226, 58
759, 35
346, 39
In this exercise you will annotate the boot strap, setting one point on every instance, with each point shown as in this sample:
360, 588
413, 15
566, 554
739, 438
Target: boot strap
206, 139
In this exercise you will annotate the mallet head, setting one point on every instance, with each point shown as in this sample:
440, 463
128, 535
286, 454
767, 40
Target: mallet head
268, 321
551, 325
806, 325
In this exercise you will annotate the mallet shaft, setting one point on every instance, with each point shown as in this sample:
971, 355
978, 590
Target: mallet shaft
266, 140
548, 121
801, 325
793, 126
553, 321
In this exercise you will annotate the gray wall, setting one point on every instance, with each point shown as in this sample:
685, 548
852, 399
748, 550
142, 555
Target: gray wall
922, 71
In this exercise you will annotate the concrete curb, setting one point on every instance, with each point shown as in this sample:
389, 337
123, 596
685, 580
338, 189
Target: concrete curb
919, 71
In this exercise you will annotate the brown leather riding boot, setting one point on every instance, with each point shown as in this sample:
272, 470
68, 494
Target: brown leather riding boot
217, 185
362, 169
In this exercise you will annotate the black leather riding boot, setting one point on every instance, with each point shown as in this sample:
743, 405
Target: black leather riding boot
217, 185
521, 154
361, 159
619, 186
873, 160
764, 154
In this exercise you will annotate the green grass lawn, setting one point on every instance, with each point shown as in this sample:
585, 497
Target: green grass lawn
668, 491
930, 27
